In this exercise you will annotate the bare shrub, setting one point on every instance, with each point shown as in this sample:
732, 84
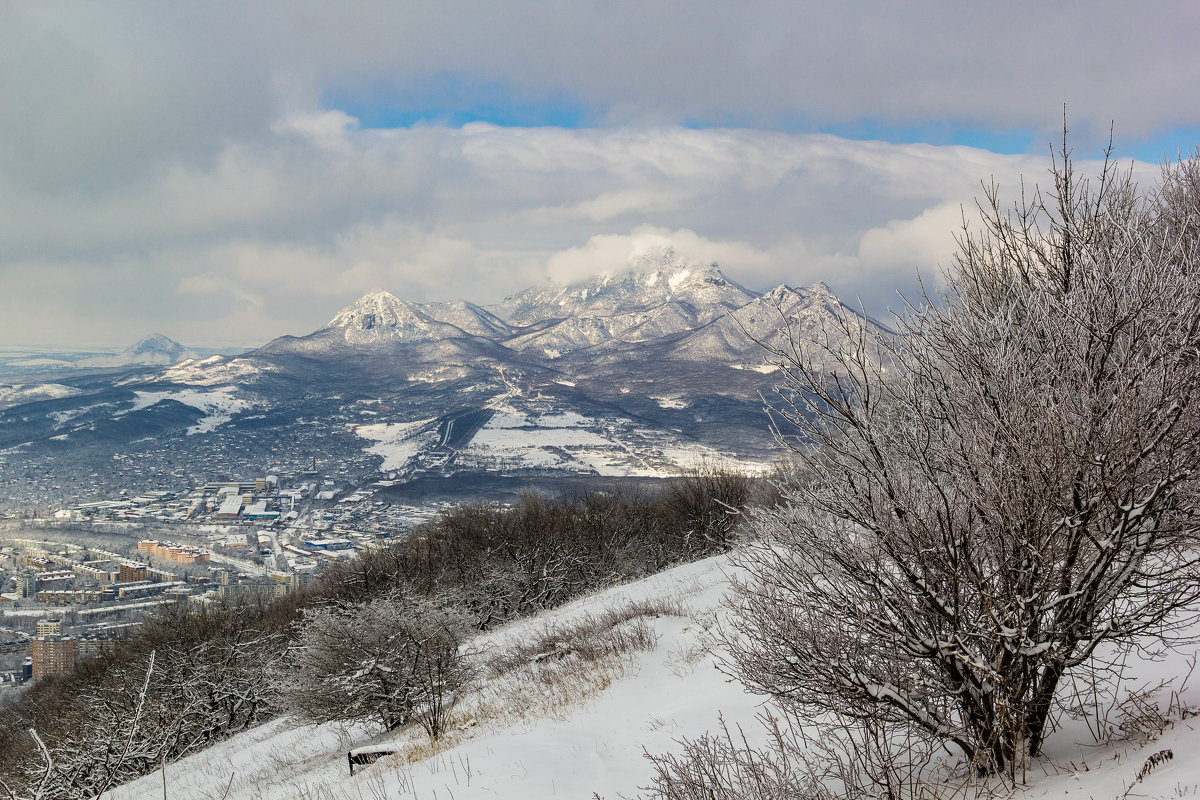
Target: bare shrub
392, 661
614, 631
562, 664
71, 771
703, 508
724, 766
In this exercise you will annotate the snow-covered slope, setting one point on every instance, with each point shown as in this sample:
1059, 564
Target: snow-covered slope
382, 317
16, 393
635, 305
589, 739
813, 314
701, 289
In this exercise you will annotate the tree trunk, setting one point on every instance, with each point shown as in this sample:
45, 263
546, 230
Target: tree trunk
1038, 711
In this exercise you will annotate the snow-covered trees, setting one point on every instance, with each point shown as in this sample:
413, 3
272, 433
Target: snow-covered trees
1015, 488
187, 680
392, 661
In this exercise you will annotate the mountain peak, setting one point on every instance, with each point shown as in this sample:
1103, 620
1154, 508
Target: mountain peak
378, 295
152, 350
377, 316
652, 279
821, 289
668, 263
380, 316
155, 342
376, 307
376, 299
660, 257
778, 294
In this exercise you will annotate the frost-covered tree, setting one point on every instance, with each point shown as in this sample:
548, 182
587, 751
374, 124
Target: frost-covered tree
1012, 486
189, 679
393, 661
68, 771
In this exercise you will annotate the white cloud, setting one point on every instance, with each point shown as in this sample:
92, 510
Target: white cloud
641, 247
926, 241
273, 237
198, 167
323, 128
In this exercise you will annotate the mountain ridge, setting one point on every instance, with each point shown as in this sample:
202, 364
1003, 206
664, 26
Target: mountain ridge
596, 316
639, 373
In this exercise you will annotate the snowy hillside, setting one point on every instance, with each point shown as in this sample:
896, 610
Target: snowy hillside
566, 726
773, 320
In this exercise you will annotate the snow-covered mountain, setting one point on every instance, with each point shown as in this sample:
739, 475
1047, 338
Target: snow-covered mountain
380, 317
154, 350
641, 372
698, 291
694, 307
813, 314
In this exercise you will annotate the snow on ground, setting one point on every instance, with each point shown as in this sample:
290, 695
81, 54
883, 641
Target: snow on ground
671, 402
561, 440
697, 456
566, 440
17, 393
594, 745
216, 369
762, 369
398, 442
36, 611
550, 447
219, 405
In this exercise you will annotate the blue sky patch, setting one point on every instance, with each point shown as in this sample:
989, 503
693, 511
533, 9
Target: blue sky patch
454, 102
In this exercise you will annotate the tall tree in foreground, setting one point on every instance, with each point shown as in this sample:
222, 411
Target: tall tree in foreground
1014, 489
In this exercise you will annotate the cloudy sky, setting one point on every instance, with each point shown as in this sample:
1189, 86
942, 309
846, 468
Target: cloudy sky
227, 172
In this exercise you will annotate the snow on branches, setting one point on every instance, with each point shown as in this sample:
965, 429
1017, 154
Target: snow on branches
1016, 487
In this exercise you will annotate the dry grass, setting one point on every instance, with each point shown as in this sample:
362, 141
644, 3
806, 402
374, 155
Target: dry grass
562, 665
548, 673
594, 637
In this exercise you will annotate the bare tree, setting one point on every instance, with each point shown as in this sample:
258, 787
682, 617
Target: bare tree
393, 661
1011, 485
704, 508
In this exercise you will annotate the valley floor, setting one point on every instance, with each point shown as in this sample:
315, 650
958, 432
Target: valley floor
583, 731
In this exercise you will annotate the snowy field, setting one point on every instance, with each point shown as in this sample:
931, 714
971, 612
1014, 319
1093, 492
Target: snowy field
219, 405
585, 735
213, 370
15, 393
397, 443
543, 437
566, 440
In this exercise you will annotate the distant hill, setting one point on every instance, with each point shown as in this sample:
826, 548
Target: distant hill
154, 350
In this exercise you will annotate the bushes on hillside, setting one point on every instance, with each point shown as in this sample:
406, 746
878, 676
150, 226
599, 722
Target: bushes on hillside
377, 638
207, 682
393, 660
543, 551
